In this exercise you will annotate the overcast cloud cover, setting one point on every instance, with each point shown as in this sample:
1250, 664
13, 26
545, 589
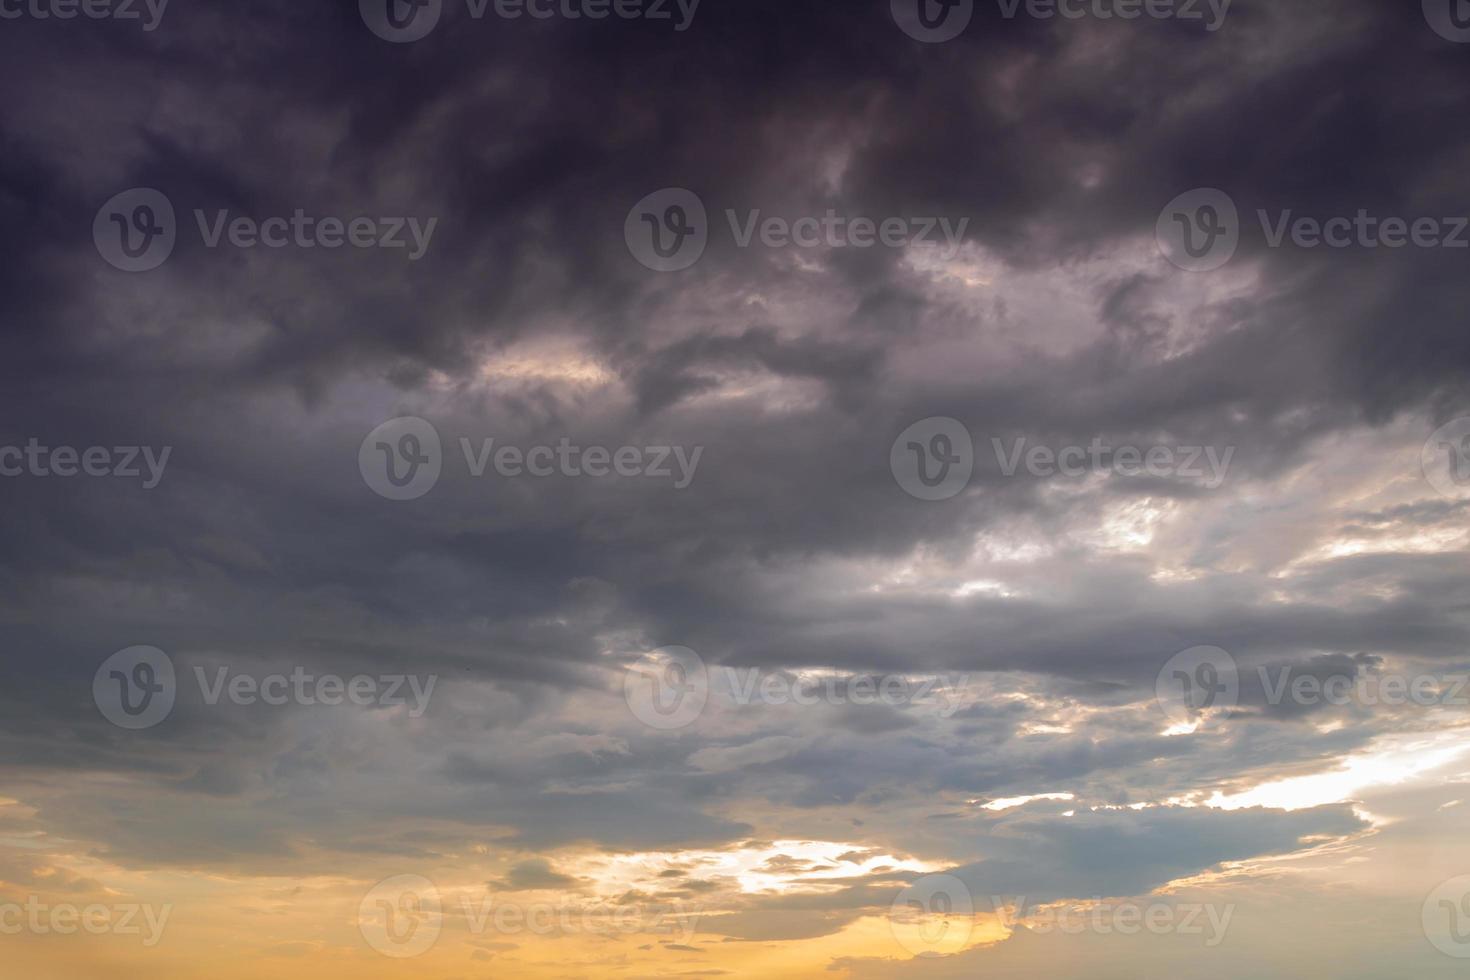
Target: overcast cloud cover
523, 622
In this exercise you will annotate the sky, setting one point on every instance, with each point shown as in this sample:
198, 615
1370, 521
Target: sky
639, 488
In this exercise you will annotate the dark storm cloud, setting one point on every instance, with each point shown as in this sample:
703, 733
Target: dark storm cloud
529, 142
